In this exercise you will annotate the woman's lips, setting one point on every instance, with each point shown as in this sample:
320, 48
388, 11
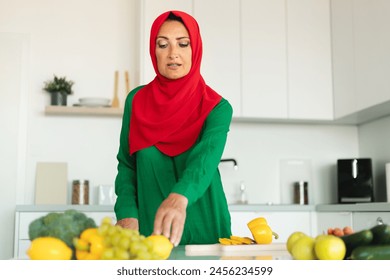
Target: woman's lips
173, 65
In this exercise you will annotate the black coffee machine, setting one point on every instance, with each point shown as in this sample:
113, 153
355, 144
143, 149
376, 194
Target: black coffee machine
355, 182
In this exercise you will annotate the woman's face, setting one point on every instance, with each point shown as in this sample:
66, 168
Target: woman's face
173, 50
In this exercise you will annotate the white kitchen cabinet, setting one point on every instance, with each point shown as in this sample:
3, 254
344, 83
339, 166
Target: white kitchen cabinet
286, 60
221, 47
283, 223
309, 68
372, 58
24, 218
327, 220
264, 59
361, 60
343, 57
366, 220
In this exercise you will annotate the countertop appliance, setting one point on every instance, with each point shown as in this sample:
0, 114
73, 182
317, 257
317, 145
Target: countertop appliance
355, 182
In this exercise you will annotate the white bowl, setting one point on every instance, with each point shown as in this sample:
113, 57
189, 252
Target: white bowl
94, 102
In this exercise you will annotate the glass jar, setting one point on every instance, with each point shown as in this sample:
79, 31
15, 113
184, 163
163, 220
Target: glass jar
80, 192
300, 193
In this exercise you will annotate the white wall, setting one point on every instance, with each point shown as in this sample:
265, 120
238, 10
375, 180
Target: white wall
13, 64
374, 142
87, 41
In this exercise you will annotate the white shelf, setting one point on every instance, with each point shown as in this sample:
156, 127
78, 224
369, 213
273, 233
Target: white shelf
361, 117
80, 110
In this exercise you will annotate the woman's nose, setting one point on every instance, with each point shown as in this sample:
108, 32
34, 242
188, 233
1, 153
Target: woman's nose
173, 53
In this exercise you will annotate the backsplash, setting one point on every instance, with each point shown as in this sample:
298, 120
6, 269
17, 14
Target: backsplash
261, 148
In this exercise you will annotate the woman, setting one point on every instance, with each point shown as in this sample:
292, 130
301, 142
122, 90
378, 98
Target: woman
173, 135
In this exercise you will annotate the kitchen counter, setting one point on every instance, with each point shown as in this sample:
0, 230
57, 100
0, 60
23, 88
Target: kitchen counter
271, 207
355, 207
59, 208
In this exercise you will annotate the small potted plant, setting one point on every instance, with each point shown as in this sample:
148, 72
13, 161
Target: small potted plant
59, 88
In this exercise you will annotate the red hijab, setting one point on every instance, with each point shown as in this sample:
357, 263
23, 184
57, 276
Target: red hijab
169, 114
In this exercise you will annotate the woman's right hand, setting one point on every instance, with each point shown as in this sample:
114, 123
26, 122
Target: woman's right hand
130, 223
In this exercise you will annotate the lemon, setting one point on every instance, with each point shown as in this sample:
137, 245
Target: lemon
329, 247
293, 238
161, 245
303, 248
49, 248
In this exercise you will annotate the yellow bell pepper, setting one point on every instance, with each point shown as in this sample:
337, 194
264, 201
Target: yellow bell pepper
90, 245
256, 222
261, 231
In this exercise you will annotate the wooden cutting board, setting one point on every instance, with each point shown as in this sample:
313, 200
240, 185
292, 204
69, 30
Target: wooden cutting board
235, 250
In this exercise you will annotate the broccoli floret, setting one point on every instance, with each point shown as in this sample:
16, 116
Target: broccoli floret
37, 228
64, 226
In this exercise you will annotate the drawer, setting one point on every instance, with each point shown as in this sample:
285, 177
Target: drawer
327, 220
22, 249
25, 218
366, 220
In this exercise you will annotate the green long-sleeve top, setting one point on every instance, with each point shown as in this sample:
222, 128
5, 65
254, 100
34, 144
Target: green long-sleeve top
146, 178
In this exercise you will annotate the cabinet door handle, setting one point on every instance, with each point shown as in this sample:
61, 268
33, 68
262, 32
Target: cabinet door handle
379, 221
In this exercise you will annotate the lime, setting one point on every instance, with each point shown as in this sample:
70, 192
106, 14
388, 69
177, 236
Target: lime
329, 247
303, 248
293, 238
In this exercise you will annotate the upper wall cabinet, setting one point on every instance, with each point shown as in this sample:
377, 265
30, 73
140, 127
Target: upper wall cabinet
372, 56
221, 47
361, 58
309, 65
264, 59
286, 59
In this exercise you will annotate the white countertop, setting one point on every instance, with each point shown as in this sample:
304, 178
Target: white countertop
355, 207
270, 207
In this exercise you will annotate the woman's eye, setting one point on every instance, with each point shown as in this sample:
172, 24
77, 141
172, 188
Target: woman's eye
184, 44
162, 44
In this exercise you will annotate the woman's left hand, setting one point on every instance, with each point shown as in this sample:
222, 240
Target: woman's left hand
170, 217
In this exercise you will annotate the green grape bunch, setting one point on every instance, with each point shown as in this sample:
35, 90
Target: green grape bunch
124, 244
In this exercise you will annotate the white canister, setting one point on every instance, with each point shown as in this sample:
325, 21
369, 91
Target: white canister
106, 195
388, 181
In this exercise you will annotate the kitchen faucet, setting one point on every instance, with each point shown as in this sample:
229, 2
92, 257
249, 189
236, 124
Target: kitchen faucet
232, 160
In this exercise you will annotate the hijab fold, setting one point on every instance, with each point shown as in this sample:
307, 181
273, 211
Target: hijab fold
169, 114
